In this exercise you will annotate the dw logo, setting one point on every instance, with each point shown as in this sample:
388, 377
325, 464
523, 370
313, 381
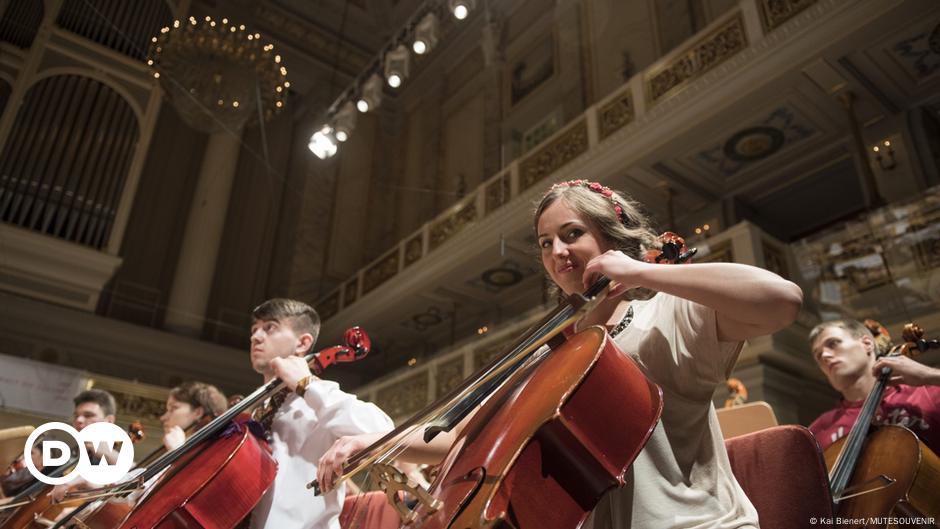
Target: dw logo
99, 437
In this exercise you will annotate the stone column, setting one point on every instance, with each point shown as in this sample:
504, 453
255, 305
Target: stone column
192, 281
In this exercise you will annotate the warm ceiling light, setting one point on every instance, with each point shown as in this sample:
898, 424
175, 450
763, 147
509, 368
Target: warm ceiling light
426, 34
371, 96
345, 121
461, 8
322, 144
396, 66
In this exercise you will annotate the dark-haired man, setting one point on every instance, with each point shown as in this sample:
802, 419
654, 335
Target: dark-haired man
91, 406
845, 351
309, 420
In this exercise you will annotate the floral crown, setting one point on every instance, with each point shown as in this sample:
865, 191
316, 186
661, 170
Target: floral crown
602, 190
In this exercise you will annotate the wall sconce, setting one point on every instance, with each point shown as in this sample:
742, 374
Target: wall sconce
884, 155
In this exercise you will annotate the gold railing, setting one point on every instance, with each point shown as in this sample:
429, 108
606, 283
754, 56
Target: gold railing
714, 45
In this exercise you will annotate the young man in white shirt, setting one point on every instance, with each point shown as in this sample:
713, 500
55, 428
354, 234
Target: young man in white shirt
307, 423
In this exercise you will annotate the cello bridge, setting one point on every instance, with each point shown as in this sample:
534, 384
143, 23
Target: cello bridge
392, 481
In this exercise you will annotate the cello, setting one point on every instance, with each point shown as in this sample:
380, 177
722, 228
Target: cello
216, 477
543, 424
36, 507
104, 514
879, 472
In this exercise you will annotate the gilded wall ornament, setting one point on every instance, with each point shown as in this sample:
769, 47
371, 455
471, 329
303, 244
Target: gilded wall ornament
380, 272
350, 292
445, 228
497, 193
413, 249
404, 397
776, 12
700, 57
449, 375
615, 114
548, 159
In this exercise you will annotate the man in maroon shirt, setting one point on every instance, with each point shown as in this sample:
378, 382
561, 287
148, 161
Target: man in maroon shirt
845, 352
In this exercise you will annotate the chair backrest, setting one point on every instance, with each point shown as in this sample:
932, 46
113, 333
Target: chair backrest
782, 471
745, 418
11, 444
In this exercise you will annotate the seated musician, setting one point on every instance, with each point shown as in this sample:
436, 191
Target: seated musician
309, 420
18, 477
846, 353
188, 407
91, 406
686, 338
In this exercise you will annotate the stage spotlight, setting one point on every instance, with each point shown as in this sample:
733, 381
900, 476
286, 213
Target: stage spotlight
371, 96
396, 66
461, 8
345, 121
426, 34
322, 143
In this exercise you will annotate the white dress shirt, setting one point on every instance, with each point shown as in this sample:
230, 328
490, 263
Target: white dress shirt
302, 431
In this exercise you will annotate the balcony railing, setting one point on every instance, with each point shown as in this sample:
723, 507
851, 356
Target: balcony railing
600, 123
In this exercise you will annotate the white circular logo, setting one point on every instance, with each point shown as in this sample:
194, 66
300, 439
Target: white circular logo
99, 438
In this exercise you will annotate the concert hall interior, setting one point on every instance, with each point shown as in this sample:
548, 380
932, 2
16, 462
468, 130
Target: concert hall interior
167, 167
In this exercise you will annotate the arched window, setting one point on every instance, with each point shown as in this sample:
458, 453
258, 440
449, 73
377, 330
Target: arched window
63, 168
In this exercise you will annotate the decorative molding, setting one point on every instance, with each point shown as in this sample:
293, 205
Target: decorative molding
134, 403
449, 375
380, 272
329, 306
781, 128
457, 220
485, 355
702, 55
919, 54
776, 12
113, 348
720, 253
350, 292
616, 113
51, 269
498, 192
413, 249
404, 397
554, 155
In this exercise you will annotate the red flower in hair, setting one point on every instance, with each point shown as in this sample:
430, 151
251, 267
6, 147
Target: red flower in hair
596, 187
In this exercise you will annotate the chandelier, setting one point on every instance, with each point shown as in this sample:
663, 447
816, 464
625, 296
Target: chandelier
217, 74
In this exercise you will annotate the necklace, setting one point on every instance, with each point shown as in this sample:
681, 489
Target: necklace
627, 318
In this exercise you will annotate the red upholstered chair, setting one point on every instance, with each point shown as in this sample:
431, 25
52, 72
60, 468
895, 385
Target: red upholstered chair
368, 510
782, 471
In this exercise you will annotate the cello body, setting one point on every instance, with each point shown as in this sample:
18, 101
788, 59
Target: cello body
543, 450
42, 508
897, 453
217, 487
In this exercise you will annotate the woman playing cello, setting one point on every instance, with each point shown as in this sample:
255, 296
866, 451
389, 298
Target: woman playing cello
686, 338
189, 406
